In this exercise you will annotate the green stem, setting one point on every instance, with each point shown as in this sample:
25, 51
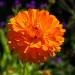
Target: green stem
6, 54
24, 69
4, 42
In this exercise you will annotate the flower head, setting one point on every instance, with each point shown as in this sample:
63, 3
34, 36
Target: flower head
35, 35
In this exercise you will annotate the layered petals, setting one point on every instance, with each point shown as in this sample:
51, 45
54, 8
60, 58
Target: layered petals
35, 35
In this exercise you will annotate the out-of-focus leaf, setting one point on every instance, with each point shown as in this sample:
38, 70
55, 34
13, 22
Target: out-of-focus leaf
6, 54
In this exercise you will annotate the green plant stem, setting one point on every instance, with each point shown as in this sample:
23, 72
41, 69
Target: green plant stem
4, 42
24, 69
6, 54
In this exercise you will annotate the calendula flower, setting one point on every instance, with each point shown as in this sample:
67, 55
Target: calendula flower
35, 35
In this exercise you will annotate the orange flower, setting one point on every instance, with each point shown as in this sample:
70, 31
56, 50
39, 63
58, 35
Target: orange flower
35, 35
